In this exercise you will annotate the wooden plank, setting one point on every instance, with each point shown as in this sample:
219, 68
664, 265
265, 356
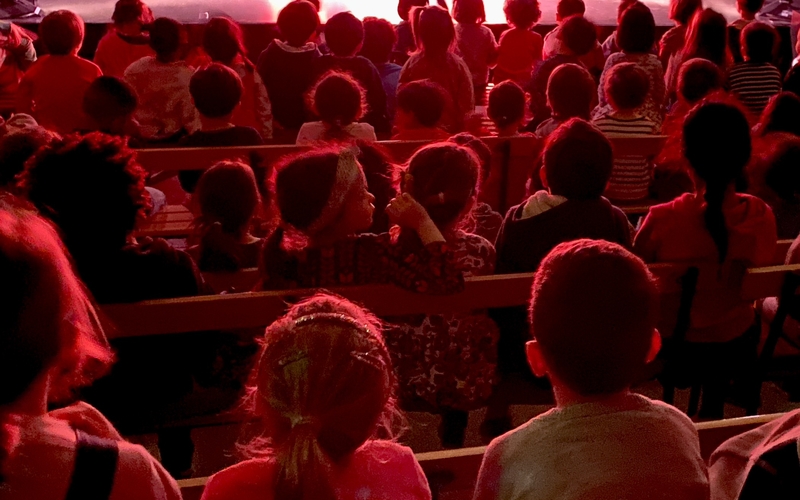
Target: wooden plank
763, 282
781, 250
714, 433
241, 281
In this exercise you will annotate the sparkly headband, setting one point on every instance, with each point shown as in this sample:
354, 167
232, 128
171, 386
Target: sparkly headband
347, 174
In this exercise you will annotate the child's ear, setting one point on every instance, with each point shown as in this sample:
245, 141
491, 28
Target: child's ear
655, 346
535, 359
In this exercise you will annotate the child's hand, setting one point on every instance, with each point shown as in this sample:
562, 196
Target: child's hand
405, 211
85, 417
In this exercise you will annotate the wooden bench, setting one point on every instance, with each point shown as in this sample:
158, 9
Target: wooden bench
170, 222
454, 472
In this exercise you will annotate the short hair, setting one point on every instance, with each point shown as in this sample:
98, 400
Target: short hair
379, 40
216, 90
506, 104
17, 147
223, 40
61, 32
626, 86
297, 22
344, 33
571, 91
129, 11
578, 34
425, 99
758, 42
593, 312
469, 11
636, 33
433, 29
792, 81
577, 160
166, 36
522, 14
227, 193
752, 6
780, 115
109, 98
781, 174
567, 8
404, 7
697, 78
623, 6
337, 98
681, 11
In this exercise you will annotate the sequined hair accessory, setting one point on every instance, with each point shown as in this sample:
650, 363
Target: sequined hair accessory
347, 174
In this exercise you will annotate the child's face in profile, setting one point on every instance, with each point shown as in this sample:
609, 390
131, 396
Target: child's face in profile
359, 207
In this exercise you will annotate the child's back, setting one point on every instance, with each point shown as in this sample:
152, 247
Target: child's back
756, 80
475, 42
125, 42
519, 48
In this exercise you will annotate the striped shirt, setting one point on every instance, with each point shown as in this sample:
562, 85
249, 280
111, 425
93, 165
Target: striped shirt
632, 175
754, 83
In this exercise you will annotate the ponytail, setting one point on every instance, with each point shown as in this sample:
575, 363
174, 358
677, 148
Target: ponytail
715, 219
303, 471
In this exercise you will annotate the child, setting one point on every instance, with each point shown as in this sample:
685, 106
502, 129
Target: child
323, 388
507, 108
610, 44
53, 87
420, 106
18, 53
286, 68
452, 363
127, 41
338, 100
681, 12
344, 34
564, 9
555, 41
227, 198
323, 247
577, 163
570, 94
775, 180
756, 79
748, 10
16, 148
379, 38
519, 47
406, 44
626, 87
475, 42
379, 171
165, 112
110, 103
716, 225
223, 41
593, 314
50, 344
436, 61
779, 117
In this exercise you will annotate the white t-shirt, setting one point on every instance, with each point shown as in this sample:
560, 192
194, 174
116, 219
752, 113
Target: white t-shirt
41, 466
637, 449
312, 132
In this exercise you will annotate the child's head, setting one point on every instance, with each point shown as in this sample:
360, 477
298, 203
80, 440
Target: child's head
622, 7
578, 35
131, 13
167, 38
681, 11
626, 86
716, 143
697, 78
469, 11
480, 148
577, 161
404, 7
444, 179
759, 41
298, 22
323, 386
522, 14
571, 92
109, 102
227, 194
379, 40
506, 105
781, 115
223, 40
593, 314
779, 169
420, 104
749, 8
16, 148
568, 8
707, 37
216, 90
344, 34
376, 162
336, 201
636, 33
61, 32
337, 99
433, 30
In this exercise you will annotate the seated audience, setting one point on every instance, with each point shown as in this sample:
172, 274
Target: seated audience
506, 108
446, 361
53, 87
436, 61
161, 82
475, 42
593, 315
756, 79
406, 43
110, 103
716, 226
17, 53
287, 70
223, 41
571, 93
344, 34
51, 344
227, 198
594, 60
775, 179
672, 42
323, 390
748, 9
420, 106
626, 88
338, 100
127, 40
519, 47
379, 38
